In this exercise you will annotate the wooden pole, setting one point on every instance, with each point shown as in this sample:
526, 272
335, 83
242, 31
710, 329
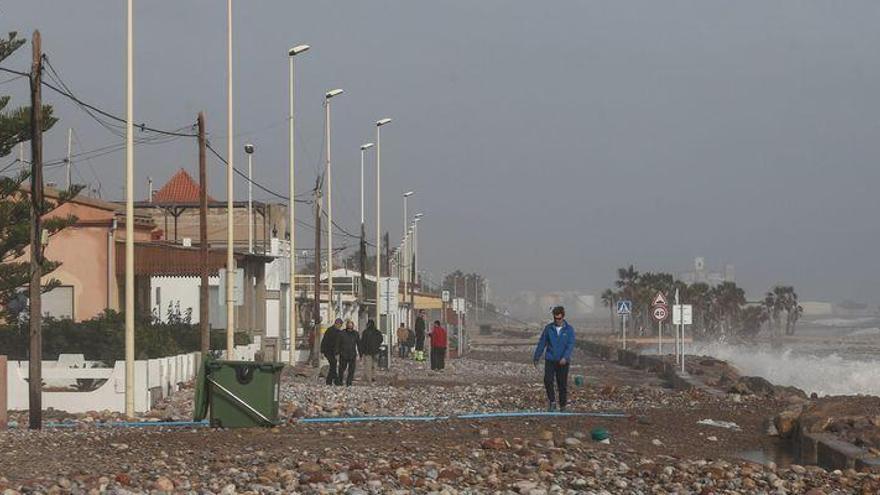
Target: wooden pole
204, 316
3, 386
35, 359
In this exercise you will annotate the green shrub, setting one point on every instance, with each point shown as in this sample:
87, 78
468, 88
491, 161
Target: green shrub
103, 338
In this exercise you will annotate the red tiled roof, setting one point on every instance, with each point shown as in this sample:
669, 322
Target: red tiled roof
180, 189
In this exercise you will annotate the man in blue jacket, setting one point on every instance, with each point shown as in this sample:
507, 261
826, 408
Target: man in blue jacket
556, 342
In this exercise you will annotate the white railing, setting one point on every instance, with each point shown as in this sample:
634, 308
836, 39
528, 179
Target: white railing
154, 380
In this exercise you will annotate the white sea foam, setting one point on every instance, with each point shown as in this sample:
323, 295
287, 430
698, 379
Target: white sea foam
824, 375
865, 332
843, 322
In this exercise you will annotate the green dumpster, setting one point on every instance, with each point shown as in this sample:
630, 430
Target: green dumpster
238, 394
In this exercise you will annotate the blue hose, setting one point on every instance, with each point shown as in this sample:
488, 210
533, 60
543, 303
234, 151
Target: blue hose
364, 419
353, 419
516, 414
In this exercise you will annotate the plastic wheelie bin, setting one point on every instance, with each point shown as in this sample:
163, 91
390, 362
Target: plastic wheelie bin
238, 394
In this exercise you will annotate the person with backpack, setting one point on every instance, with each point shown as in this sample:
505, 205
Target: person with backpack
438, 346
348, 349
329, 350
556, 344
371, 339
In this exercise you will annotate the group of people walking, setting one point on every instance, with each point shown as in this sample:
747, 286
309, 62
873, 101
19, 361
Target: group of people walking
344, 346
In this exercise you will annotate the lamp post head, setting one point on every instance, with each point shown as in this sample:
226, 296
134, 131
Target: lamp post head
249, 148
381, 122
408, 194
332, 93
418, 215
297, 50
366, 146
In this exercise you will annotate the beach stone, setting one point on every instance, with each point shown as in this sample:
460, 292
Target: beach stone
163, 484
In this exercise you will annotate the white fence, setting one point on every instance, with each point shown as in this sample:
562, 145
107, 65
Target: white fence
154, 379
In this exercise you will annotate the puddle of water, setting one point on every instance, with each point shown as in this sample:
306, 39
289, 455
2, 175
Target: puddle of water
780, 453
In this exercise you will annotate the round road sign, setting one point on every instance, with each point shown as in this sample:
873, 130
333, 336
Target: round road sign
660, 313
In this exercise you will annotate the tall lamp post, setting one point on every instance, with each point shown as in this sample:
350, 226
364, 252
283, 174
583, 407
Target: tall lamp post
230, 142
416, 218
129, 221
379, 124
362, 249
291, 225
405, 265
249, 150
330, 308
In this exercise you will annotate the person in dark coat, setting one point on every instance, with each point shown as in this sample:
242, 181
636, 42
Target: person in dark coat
348, 348
328, 349
371, 339
420, 336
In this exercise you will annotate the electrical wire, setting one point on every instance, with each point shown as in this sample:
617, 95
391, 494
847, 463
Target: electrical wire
255, 183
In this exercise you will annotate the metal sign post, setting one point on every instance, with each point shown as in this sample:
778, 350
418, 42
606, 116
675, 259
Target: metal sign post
660, 313
682, 314
624, 308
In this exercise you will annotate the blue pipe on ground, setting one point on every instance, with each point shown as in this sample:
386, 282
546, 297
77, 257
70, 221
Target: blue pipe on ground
355, 419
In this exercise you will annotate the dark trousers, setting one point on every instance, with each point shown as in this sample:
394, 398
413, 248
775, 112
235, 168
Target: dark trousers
438, 358
332, 375
558, 375
346, 364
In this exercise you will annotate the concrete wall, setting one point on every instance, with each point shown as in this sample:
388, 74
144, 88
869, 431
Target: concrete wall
182, 291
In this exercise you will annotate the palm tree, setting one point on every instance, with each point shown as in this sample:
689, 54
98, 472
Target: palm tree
700, 298
609, 300
728, 300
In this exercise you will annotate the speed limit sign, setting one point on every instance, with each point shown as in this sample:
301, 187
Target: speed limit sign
660, 313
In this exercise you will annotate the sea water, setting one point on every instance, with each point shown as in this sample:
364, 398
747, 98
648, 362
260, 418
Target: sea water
827, 357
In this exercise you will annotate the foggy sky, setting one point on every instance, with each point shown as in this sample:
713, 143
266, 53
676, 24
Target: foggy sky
548, 142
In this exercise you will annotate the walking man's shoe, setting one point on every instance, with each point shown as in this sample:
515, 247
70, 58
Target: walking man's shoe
551, 407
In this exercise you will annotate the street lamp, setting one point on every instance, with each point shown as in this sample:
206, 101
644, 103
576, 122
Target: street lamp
129, 232
249, 150
230, 158
327, 97
406, 280
416, 218
379, 124
364, 147
290, 208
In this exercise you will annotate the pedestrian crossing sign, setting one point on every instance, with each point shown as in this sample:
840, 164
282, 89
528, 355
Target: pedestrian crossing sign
624, 307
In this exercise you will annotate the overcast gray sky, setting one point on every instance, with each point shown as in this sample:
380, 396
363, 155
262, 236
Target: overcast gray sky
548, 142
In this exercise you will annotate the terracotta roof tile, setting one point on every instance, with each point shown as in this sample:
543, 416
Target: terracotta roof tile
180, 189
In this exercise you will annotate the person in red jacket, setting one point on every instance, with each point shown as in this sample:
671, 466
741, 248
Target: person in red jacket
438, 346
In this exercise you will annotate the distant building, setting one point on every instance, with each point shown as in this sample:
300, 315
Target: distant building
701, 274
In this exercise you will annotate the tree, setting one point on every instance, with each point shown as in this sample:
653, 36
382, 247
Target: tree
727, 302
15, 202
783, 299
752, 318
609, 300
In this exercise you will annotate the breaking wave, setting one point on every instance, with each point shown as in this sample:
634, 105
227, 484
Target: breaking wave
824, 375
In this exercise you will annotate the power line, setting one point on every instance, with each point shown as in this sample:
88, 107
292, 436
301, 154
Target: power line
260, 186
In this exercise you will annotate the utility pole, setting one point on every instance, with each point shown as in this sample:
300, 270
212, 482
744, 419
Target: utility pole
69, 143
316, 313
204, 323
35, 360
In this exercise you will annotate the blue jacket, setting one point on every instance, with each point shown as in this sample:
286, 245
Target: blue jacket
558, 346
